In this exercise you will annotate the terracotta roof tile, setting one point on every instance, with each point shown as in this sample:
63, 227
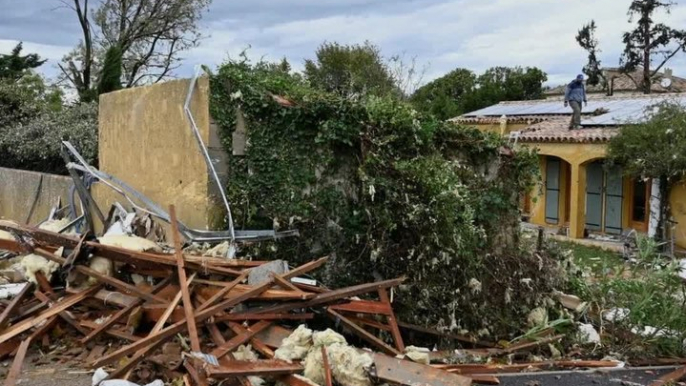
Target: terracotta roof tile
496, 120
557, 130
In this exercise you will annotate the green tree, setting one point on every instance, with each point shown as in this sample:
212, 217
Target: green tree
460, 91
446, 96
110, 80
14, 65
350, 69
588, 41
654, 149
649, 46
152, 36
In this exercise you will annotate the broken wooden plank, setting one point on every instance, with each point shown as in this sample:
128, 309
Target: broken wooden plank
64, 315
524, 346
240, 339
224, 291
120, 285
271, 294
122, 313
276, 316
268, 367
332, 296
670, 378
257, 344
363, 307
409, 373
15, 370
111, 331
395, 331
52, 311
170, 331
362, 333
183, 282
327, 368
44, 285
14, 305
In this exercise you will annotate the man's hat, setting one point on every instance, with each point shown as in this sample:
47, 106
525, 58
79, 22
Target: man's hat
580, 77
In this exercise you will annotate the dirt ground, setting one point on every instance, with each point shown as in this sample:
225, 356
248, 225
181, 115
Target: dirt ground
48, 374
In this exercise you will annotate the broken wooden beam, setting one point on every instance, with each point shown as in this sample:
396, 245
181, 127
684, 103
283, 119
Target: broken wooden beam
15, 370
183, 282
14, 305
268, 367
362, 333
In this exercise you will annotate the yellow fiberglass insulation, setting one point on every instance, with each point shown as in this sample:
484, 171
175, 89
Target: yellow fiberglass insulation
417, 354
4, 235
246, 353
101, 265
295, 347
349, 367
31, 264
133, 243
56, 226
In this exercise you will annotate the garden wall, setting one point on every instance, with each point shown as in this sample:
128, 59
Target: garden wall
20, 188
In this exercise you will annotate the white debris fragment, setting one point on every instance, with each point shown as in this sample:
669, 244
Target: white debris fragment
418, 354
587, 333
100, 375
4, 235
133, 243
475, 286
537, 317
616, 314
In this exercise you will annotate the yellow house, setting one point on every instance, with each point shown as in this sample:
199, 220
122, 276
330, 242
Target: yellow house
577, 193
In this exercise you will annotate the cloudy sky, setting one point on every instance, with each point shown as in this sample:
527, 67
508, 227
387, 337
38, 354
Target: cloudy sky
441, 34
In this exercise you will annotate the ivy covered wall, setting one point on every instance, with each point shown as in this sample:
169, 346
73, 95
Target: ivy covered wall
384, 190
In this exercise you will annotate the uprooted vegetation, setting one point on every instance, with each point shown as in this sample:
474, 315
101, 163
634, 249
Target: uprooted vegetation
387, 192
638, 308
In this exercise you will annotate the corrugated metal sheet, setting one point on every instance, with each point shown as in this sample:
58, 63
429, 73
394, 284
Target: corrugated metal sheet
619, 110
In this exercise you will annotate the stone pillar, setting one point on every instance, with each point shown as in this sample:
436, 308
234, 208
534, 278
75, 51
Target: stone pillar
577, 206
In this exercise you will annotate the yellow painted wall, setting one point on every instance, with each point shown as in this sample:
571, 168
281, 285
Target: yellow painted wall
677, 201
146, 141
18, 190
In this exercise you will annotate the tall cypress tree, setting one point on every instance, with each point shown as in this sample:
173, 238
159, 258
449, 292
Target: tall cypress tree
110, 79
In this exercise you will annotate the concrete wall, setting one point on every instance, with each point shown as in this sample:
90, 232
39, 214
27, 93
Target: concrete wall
146, 141
18, 190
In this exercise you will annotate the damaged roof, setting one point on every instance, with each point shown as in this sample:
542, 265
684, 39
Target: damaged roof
557, 130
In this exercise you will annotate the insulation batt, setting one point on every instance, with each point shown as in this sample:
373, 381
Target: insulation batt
31, 264
132, 243
246, 353
417, 354
349, 367
56, 226
101, 265
295, 347
4, 235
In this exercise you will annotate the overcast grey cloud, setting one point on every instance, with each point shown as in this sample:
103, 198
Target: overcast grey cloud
441, 34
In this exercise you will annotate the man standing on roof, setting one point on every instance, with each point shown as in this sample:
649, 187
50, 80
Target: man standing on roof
575, 94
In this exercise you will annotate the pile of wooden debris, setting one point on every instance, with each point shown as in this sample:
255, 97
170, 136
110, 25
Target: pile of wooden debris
140, 313
217, 305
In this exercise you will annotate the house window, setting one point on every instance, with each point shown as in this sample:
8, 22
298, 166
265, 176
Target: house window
639, 202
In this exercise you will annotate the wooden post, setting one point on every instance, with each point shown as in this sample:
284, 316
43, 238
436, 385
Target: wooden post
183, 282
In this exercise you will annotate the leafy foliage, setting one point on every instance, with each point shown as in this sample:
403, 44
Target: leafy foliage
110, 80
588, 41
389, 192
35, 144
152, 36
350, 69
14, 65
460, 91
654, 149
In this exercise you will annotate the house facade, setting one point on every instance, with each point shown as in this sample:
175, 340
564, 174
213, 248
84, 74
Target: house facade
577, 193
